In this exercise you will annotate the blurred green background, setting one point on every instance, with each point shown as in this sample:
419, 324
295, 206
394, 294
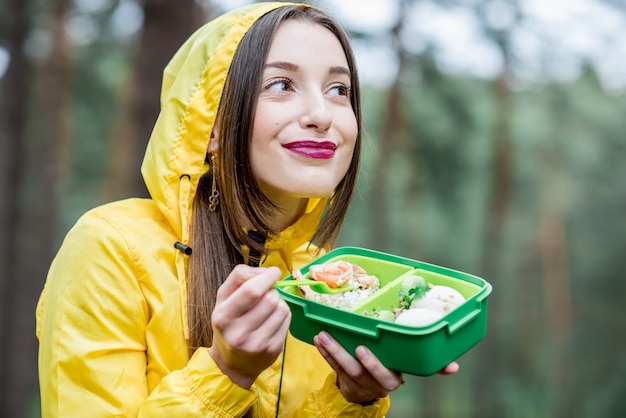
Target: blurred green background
495, 143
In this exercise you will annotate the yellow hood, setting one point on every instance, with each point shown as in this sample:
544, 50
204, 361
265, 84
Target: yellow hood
192, 87
175, 156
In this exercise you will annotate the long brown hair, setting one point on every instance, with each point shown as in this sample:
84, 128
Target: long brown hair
219, 238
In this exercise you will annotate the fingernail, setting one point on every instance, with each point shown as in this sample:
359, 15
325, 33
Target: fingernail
324, 338
363, 352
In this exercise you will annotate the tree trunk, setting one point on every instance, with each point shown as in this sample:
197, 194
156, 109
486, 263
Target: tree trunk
167, 24
557, 291
389, 142
497, 214
15, 383
35, 217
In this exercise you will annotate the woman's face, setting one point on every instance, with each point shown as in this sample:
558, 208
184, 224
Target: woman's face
304, 129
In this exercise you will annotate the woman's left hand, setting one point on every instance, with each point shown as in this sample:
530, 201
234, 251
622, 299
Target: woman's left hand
366, 379
360, 381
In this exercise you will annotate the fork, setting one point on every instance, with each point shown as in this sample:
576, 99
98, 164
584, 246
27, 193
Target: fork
315, 285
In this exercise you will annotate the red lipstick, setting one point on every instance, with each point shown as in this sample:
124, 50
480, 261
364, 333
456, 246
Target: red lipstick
312, 149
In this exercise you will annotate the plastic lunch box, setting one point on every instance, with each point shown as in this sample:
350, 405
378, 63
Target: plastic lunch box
413, 350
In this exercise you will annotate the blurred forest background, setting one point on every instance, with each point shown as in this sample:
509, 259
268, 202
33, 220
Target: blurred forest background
495, 144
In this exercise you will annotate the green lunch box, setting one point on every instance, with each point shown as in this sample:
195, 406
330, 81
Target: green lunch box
413, 350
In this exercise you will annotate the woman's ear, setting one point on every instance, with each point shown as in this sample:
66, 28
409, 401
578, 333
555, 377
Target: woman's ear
214, 141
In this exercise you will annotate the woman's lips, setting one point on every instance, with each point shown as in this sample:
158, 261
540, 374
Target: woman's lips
312, 149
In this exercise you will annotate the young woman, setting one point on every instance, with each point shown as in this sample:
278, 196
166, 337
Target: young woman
158, 307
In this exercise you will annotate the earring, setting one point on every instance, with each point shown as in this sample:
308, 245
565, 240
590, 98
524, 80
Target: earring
214, 199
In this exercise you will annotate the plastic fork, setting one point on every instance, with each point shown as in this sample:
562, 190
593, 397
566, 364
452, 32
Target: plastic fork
315, 285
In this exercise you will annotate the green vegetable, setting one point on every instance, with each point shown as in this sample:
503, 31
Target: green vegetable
413, 287
412, 282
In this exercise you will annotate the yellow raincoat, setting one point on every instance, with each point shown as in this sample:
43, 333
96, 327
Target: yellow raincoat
112, 318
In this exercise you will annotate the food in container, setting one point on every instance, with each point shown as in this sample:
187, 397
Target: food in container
420, 350
421, 303
336, 274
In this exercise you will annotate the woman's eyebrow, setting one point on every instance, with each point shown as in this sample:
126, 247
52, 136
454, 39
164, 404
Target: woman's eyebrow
289, 66
339, 70
282, 65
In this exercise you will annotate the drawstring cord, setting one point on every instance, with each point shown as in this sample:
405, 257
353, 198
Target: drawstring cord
280, 382
254, 260
183, 202
254, 257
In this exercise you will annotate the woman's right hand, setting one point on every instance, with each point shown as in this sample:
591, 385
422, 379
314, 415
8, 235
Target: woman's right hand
250, 323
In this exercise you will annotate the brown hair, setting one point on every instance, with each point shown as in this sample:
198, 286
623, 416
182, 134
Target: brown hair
218, 238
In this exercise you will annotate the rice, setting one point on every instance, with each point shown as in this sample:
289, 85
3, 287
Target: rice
346, 300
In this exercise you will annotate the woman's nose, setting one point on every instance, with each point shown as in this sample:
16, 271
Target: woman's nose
317, 114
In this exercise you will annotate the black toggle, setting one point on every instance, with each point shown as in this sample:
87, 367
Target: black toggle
182, 248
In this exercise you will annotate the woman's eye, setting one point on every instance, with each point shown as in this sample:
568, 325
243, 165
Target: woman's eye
340, 90
283, 84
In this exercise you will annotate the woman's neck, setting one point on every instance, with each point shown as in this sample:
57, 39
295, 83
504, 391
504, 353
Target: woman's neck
290, 211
